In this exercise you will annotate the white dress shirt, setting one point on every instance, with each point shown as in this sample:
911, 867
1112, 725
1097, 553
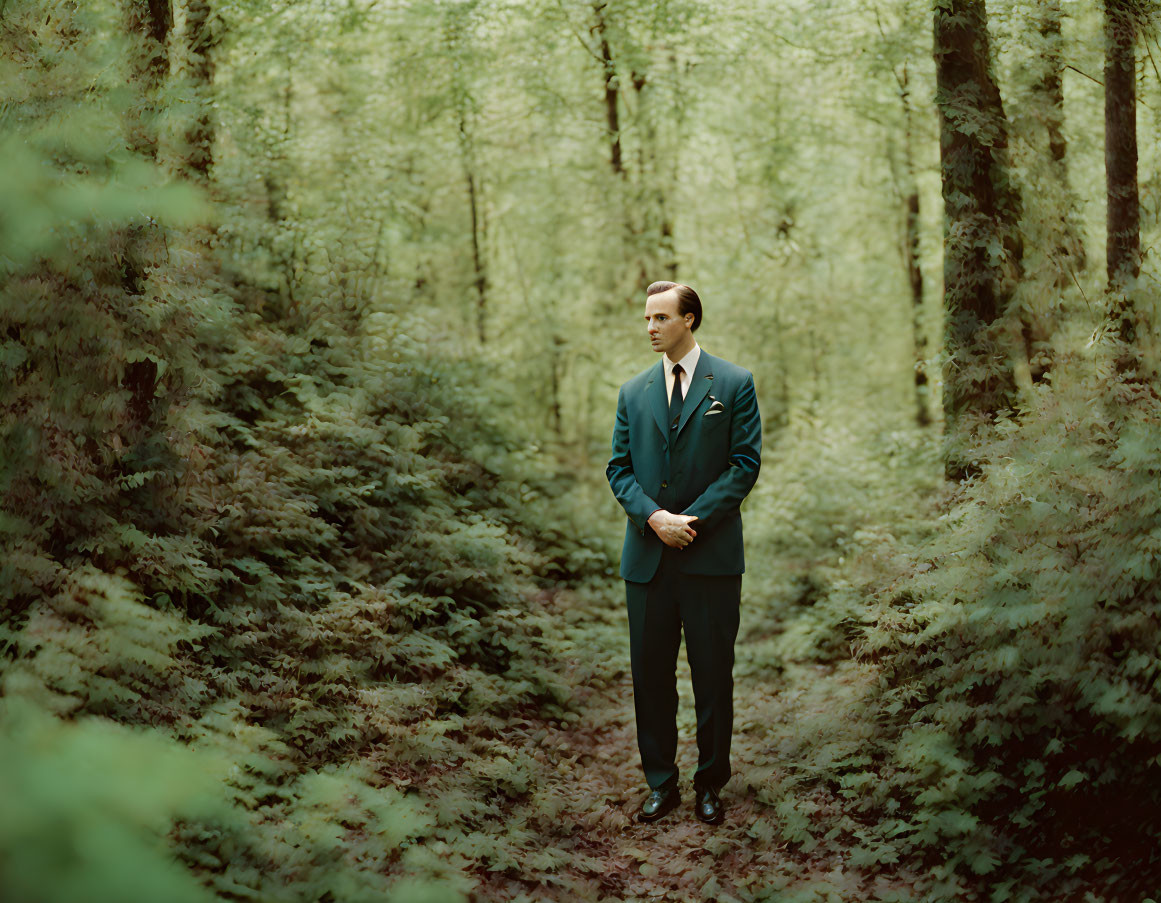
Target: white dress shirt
688, 364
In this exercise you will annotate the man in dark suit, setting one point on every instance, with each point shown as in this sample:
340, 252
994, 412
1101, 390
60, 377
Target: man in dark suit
686, 451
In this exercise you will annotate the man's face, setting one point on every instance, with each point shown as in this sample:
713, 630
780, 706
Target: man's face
668, 331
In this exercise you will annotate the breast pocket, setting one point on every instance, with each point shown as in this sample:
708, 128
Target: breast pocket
714, 421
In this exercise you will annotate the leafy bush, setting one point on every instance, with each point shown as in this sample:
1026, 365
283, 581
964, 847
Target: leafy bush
270, 530
1002, 721
87, 806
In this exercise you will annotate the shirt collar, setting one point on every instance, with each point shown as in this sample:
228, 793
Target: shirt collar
688, 363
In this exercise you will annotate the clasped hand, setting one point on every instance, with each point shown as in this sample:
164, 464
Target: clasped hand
673, 529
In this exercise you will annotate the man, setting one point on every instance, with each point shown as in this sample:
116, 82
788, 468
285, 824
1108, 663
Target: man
686, 451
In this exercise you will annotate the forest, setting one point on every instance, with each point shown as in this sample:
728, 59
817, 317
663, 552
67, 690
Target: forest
313, 318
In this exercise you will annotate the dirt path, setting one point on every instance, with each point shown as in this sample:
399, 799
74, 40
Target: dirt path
592, 847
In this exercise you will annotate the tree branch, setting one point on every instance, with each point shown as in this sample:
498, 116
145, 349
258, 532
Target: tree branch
596, 56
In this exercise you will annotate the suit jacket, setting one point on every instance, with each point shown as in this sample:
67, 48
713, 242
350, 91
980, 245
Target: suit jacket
704, 467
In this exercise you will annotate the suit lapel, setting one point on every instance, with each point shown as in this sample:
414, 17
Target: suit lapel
655, 389
703, 376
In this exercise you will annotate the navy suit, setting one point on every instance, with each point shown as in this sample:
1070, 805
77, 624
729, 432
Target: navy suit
703, 465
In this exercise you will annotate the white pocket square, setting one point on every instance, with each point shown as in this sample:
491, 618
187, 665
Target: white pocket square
716, 408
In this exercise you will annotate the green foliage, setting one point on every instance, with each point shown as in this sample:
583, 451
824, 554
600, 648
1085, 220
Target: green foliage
87, 806
1006, 726
273, 530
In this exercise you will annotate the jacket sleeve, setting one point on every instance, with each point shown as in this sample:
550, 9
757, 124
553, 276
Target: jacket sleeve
620, 474
726, 493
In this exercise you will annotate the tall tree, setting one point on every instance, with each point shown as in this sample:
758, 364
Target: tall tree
1048, 89
149, 22
1123, 249
458, 38
277, 178
896, 52
611, 83
1050, 225
982, 246
908, 188
479, 268
148, 26
625, 65
193, 37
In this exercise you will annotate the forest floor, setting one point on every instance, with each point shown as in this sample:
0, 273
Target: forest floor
605, 854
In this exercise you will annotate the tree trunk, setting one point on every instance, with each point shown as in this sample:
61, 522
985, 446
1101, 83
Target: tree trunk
194, 28
554, 366
1124, 210
982, 249
1059, 238
1049, 89
151, 21
612, 117
277, 178
480, 273
911, 255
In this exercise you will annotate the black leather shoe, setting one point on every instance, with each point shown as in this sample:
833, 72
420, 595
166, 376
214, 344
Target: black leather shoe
708, 806
659, 804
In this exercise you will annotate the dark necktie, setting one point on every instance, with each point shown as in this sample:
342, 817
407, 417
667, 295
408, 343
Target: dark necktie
675, 399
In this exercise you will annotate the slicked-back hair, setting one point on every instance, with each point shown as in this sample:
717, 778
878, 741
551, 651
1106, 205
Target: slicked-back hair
687, 300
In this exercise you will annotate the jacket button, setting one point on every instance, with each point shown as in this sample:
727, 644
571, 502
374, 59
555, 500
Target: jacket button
664, 485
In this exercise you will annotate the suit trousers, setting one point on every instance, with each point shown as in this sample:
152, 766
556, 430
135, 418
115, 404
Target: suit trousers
707, 607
